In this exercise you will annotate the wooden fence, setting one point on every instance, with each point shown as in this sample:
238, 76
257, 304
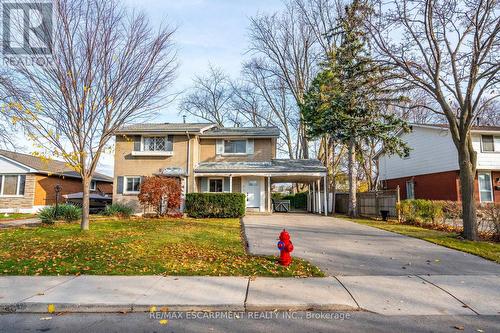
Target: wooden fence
370, 203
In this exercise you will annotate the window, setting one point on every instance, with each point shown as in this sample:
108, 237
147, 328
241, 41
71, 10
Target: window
215, 185
93, 185
410, 190
485, 187
132, 184
487, 143
235, 147
155, 143
12, 185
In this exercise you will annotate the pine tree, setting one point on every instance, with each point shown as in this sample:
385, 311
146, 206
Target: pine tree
348, 98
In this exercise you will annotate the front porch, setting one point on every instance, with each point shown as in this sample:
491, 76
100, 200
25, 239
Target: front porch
255, 179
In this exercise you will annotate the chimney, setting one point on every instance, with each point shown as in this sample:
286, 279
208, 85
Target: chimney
184, 119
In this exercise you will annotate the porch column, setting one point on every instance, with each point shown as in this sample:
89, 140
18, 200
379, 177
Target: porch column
269, 194
308, 197
314, 206
325, 192
319, 195
230, 183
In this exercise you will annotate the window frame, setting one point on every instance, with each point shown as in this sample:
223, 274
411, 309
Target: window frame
488, 173
94, 187
216, 178
18, 186
412, 189
143, 143
233, 153
492, 143
125, 183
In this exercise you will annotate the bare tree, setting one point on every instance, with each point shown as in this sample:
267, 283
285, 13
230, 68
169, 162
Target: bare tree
451, 51
108, 67
209, 98
287, 44
278, 107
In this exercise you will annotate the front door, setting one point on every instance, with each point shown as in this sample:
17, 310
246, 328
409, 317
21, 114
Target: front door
251, 187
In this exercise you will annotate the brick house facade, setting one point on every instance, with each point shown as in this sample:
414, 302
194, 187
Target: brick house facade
27, 182
431, 169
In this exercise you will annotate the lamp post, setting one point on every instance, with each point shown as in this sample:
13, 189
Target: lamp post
57, 189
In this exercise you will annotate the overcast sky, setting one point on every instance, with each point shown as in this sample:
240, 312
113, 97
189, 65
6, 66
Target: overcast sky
208, 32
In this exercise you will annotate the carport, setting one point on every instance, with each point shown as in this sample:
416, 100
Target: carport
255, 179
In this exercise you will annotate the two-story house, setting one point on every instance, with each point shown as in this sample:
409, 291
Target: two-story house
209, 158
431, 170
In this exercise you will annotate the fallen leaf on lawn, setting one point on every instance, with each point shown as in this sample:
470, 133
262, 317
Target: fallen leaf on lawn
164, 309
51, 308
152, 309
163, 322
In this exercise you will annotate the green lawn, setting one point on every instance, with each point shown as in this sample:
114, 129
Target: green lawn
488, 250
14, 216
138, 247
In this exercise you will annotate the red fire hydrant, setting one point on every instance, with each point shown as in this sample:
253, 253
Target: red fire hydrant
285, 245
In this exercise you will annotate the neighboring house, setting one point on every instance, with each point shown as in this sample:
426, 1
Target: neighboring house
431, 169
208, 158
27, 182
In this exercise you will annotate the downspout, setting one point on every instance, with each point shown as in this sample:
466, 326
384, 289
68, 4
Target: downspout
188, 160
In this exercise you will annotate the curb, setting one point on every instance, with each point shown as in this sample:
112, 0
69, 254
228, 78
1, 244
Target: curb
141, 308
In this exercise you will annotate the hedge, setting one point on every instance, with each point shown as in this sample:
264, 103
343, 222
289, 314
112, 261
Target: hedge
200, 205
297, 200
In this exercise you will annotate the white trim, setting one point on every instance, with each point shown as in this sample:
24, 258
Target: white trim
153, 153
262, 194
491, 186
17, 195
29, 169
260, 174
125, 184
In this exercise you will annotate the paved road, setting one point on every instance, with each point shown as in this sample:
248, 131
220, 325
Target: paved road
247, 322
340, 247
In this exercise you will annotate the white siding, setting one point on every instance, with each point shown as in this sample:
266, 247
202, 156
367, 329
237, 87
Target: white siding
487, 161
7, 166
432, 150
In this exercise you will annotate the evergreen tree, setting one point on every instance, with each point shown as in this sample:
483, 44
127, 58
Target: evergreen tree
349, 97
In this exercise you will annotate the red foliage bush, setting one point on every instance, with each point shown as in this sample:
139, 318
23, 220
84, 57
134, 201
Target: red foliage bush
163, 194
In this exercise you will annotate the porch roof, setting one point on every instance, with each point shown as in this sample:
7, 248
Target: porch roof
275, 166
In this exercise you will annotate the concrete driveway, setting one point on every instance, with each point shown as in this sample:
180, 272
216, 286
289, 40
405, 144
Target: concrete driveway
340, 247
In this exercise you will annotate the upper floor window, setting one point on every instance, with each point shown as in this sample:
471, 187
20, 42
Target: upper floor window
12, 185
93, 185
487, 143
155, 143
235, 146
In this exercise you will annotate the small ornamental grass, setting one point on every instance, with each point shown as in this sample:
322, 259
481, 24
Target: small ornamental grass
118, 210
68, 213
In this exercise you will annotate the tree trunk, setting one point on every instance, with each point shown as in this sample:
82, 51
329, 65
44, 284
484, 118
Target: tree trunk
353, 178
85, 203
467, 176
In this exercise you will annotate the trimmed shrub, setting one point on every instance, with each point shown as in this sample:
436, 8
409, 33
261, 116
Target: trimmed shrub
68, 213
118, 210
200, 205
298, 200
420, 210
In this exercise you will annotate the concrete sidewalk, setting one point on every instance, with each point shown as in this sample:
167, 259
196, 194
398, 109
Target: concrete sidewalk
389, 295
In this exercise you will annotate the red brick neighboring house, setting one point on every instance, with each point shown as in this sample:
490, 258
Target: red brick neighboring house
27, 182
431, 169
